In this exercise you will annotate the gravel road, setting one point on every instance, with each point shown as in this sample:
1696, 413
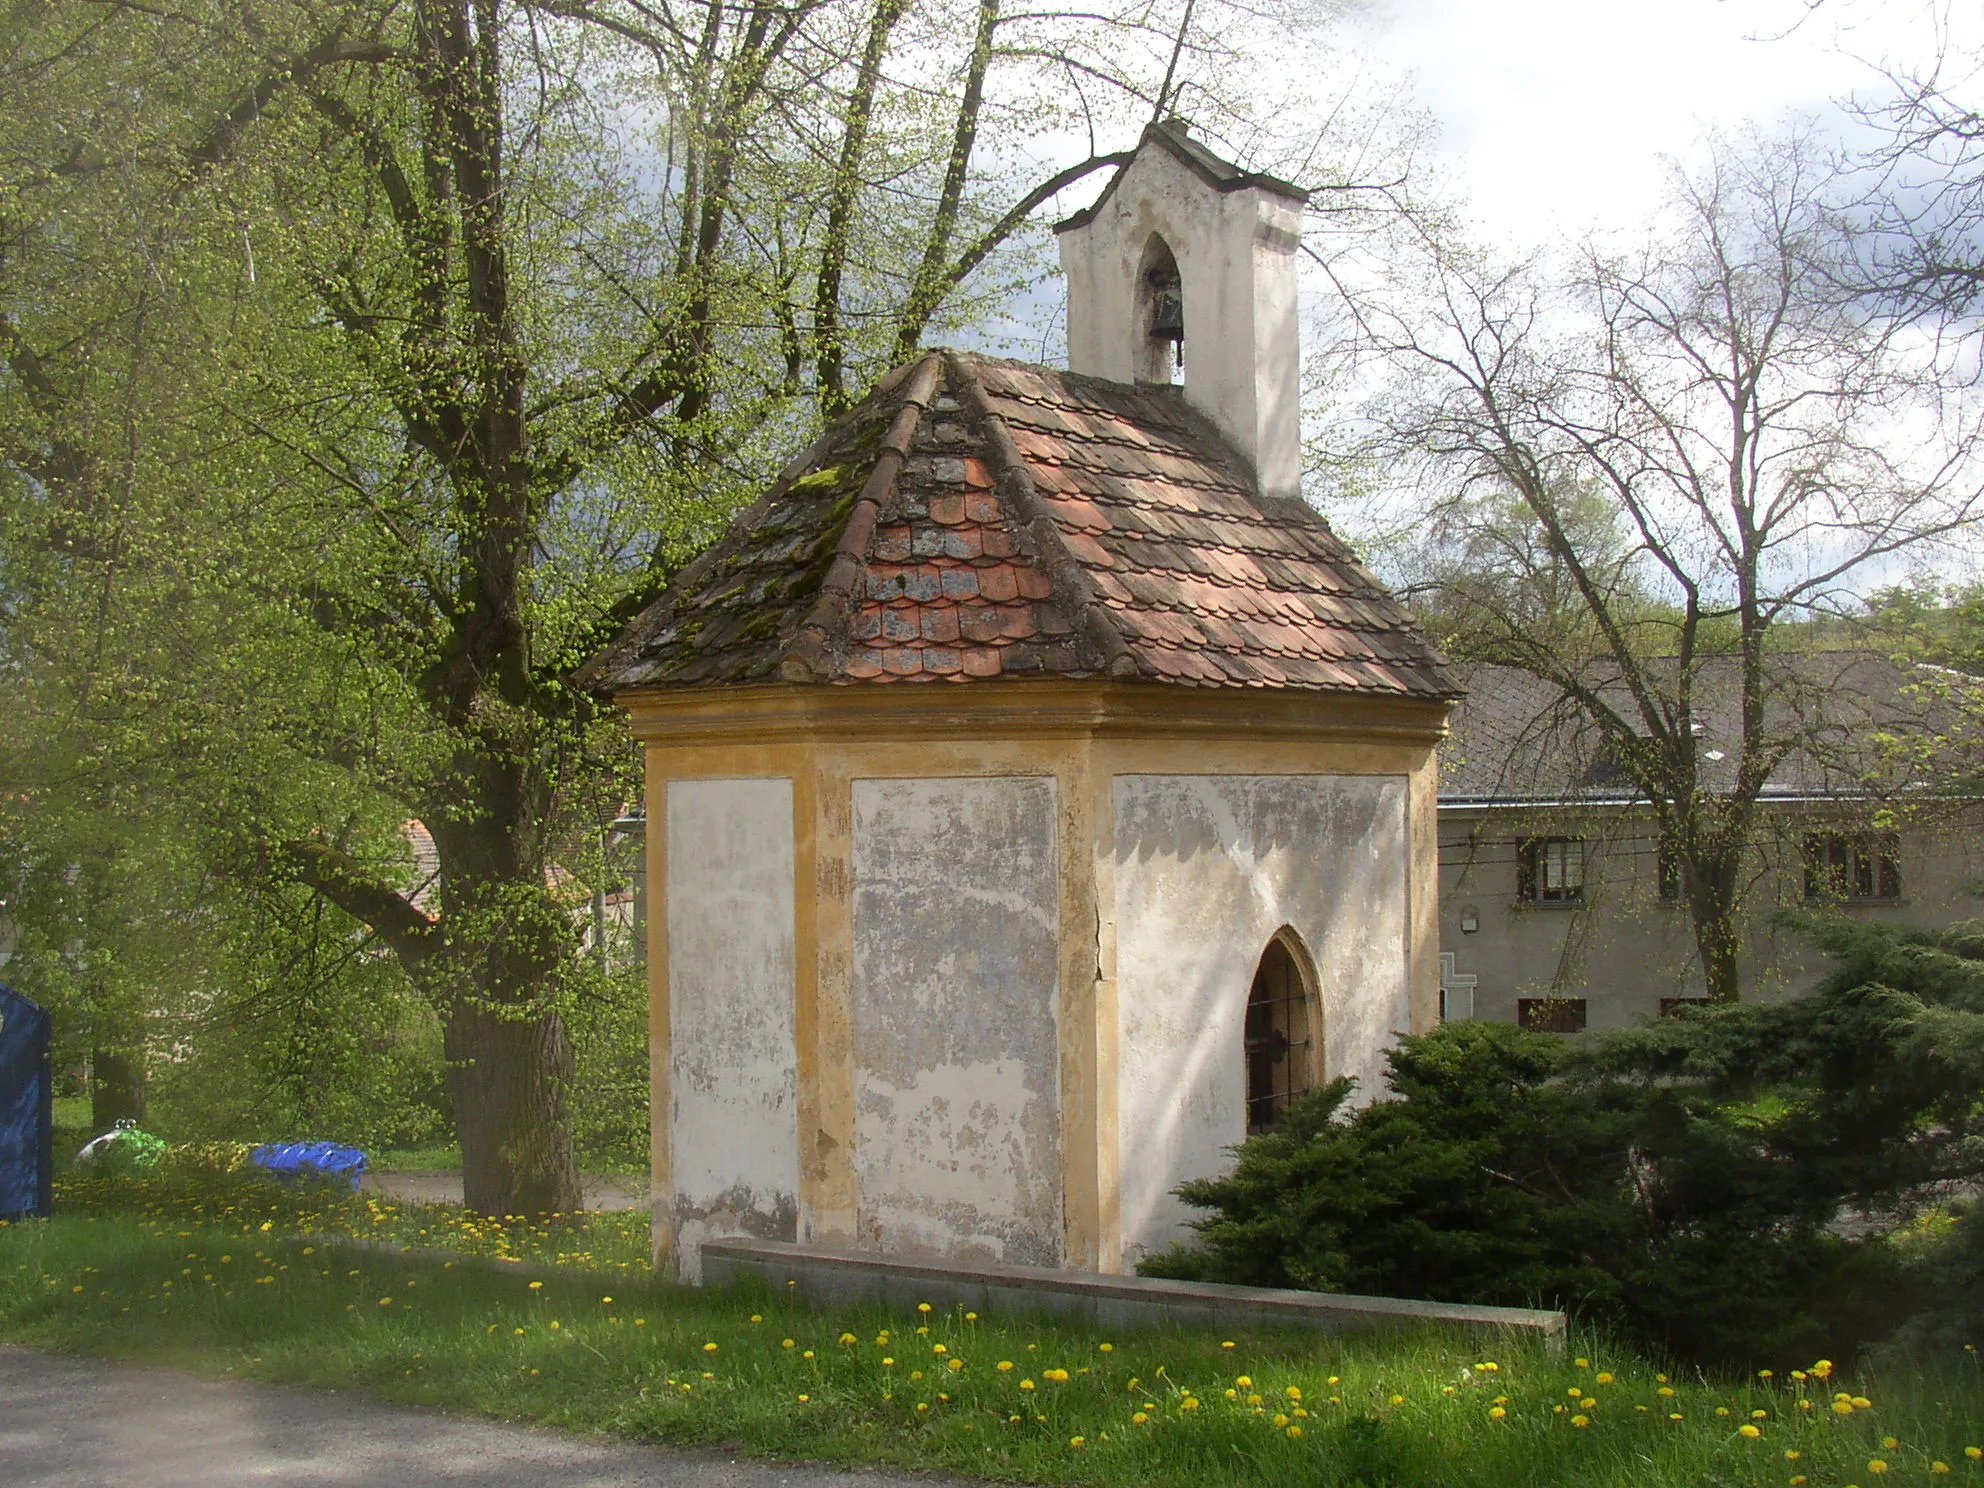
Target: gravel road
78, 1423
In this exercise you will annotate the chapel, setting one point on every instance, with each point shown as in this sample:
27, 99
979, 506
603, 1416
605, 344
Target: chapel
1040, 795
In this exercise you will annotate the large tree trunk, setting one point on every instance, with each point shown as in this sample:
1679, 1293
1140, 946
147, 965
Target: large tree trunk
117, 1087
509, 1071
1714, 906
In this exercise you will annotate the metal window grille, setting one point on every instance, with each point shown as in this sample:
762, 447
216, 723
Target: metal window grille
1278, 1039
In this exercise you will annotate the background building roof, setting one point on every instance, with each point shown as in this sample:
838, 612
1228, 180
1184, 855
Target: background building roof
1853, 723
977, 519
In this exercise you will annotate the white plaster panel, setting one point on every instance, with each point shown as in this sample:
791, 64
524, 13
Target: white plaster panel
733, 1065
956, 967
1208, 868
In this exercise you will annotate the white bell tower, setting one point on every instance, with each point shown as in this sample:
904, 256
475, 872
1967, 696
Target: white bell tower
1186, 252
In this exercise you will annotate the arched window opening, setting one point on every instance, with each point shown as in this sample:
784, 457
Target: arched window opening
1281, 1035
1161, 314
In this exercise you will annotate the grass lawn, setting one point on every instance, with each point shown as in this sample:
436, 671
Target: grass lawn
219, 1275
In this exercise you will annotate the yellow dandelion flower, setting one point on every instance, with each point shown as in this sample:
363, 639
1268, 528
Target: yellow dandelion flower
1676, 1416
1665, 1391
954, 1365
1295, 1433
888, 1363
1747, 1430
1280, 1421
1759, 1415
1232, 1394
1574, 1392
608, 1302
971, 1317
1973, 1453
1190, 1403
1005, 1366
1583, 1363
1842, 1407
1799, 1481
847, 1338
1293, 1392
1890, 1442
1939, 1468
535, 1286
1861, 1402
1603, 1378
1877, 1466
1139, 1419
709, 1348
1105, 1348
1245, 1382
1496, 1412
804, 1398
923, 1307
1028, 1385
1580, 1421
1660, 1379
787, 1343
1398, 1400
1227, 1344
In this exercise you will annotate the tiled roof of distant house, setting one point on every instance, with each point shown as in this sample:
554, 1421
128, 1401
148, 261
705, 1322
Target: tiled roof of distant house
1846, 718
978, 519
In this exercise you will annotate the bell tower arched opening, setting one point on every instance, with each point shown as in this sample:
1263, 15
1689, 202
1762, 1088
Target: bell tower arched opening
1160, 316
1283, 1038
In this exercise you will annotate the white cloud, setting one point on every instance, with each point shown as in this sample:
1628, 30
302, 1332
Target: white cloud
1555, 114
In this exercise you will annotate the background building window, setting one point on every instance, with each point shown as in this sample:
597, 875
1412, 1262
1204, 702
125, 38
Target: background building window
1668, 1004
1852, 865
1550, 870
1670, 872
1551, 1014
1279, 1042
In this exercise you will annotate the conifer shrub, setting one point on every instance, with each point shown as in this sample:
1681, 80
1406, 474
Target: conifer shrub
1733, 1185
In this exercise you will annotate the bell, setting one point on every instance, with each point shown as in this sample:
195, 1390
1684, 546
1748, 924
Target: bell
1167, 319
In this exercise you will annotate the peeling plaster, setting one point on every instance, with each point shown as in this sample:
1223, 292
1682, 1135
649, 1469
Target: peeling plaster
1208, 868
733, 1059
956, 949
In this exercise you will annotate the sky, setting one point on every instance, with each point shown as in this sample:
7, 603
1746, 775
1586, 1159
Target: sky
1553, 115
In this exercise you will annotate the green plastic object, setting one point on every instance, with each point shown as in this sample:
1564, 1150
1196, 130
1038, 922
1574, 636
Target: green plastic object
124, 1148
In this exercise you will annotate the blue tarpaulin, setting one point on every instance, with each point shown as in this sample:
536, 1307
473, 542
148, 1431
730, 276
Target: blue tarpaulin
27, 1112
316, 1161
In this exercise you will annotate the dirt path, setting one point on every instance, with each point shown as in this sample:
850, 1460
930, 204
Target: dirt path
78, 1423
445, 1187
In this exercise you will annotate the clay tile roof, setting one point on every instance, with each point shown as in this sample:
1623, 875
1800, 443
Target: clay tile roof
974, 519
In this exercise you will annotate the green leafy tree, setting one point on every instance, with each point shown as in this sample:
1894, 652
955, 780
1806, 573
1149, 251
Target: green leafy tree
370, 364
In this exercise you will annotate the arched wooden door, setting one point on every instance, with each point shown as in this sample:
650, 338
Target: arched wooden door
1284, 1032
